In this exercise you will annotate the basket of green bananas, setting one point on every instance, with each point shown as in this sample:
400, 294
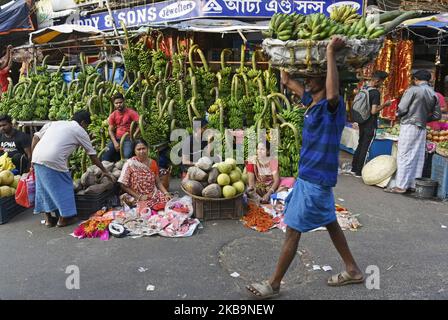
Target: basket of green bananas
298, 43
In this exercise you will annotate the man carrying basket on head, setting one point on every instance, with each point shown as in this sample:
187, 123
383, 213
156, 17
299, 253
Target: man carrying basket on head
311, 204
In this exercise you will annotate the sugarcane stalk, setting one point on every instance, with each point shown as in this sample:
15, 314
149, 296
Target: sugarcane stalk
194, 86
243, 57
167, 70
100, 154
125, 76
219, 77
223, 57
294, 130
260, 87
202, 57
133, 129
144, 97
274, 115
216, 90
193, 107
190, 56
165, 106
83, 63
254, 59
90, 104
114, 69
10, 88
141, 125
16, 87
234, 91
171, 108
221, 117
44, 61
100, 64
100, 100
61, 65
246, 84
84, 161
73, 73
181, 90
86, 85
283, 97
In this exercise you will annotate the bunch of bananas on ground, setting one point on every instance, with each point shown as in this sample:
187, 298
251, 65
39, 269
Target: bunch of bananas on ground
345, 14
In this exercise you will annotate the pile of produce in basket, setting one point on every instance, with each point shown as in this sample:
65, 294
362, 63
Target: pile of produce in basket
93, 180
442, 148
8, 184
394, 131
436, 135
214, 181
298, 43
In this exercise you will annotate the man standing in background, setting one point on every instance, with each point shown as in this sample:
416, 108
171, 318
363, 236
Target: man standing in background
368, 128
418, 106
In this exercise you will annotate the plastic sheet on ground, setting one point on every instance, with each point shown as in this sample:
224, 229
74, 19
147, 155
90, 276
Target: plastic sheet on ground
174, 222
346, 219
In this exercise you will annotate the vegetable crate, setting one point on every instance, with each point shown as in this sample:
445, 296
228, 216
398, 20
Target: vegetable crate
218, 209
89, 204
9, 209
440, 174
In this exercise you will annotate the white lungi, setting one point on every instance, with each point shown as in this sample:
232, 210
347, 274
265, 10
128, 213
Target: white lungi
411, 155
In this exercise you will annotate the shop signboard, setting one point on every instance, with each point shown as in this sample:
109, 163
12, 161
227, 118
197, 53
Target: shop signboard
179, 10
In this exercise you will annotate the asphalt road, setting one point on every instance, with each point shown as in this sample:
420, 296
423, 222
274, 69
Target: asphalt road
401, 236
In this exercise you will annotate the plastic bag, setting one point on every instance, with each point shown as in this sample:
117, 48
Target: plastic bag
26, 189
180, 206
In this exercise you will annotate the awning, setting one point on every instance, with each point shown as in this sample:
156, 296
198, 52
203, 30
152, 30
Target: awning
62, 33
438, 21
15, 16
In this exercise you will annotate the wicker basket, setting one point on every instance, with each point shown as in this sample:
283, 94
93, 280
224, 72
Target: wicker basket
308, 57
217, 209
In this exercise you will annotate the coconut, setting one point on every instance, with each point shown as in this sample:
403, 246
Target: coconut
229, 192
235, 176
224, 167
239, 186
212, 191
223, 179
6, 178
193, 187
231, 162
205, 163
15, 182
213, 176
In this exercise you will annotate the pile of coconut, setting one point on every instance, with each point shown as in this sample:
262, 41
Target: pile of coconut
219, 180
8, 184
93, 181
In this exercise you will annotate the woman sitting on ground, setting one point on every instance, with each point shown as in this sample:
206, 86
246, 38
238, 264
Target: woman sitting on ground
140, 180
263, 176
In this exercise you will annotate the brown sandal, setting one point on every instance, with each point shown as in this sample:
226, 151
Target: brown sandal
64, 222
50, 221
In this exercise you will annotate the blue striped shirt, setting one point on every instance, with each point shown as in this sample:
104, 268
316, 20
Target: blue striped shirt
321, 136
